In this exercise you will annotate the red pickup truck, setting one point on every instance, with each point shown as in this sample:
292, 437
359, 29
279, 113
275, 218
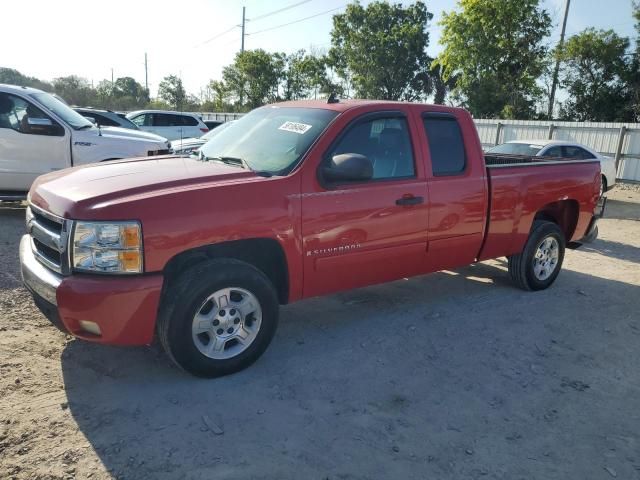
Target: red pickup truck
293, 200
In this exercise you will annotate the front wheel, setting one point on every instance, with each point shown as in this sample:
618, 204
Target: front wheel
538, 265
218, 317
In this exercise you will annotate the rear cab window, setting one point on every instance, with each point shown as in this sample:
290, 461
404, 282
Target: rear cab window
446, 144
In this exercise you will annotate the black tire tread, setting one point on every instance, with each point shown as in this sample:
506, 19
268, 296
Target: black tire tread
518, 263
180, 285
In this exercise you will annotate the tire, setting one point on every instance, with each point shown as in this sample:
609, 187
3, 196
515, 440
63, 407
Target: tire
192, 305
530, 273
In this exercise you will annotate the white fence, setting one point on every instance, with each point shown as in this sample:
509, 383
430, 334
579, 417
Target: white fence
618, 140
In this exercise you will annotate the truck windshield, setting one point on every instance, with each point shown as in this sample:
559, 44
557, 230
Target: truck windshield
269, 139
70, 117
516, 149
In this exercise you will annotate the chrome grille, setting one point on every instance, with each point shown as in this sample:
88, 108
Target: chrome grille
49, 238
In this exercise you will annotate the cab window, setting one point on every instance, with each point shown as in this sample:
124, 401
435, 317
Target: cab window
383, 140
15, 113
446, 146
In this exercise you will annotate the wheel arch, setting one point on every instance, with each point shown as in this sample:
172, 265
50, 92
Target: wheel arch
266, 254
563, 213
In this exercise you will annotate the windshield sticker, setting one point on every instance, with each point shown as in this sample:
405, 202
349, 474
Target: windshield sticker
300, 128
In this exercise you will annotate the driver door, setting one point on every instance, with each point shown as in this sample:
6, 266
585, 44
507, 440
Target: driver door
367, 232
28, 151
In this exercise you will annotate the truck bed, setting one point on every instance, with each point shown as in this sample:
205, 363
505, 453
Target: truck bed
518, 190
506, 160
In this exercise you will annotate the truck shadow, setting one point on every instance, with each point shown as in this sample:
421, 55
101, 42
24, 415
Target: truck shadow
609, 248
378, 383
621, 210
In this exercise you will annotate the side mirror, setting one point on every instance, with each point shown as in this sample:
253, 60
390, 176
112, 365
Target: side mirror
348, 167
39, 122
44, 126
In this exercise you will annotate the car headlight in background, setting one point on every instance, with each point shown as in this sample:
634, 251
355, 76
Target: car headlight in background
107, 247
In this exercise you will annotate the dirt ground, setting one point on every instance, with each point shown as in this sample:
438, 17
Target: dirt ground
454, 375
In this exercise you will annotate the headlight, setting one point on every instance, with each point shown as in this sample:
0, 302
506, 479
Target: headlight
107, 247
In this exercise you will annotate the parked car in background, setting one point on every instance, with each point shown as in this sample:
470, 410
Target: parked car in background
171, 125
40, 134
562, 149
106, 118
211, 124
291, 201
192, 145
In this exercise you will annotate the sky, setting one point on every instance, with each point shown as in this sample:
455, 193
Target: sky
195, 39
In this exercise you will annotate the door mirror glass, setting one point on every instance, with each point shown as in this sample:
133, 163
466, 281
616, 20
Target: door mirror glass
43, 126
39, 122
348, 167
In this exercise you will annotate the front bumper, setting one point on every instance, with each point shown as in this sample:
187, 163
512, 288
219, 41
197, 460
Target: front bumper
125, 308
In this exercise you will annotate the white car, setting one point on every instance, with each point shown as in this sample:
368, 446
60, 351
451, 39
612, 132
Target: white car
192, 145
40, 134
171, 125
564, 149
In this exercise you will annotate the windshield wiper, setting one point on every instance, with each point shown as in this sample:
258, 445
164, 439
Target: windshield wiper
235, 161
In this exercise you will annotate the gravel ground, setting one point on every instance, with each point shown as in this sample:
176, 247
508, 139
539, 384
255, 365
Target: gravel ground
448, 376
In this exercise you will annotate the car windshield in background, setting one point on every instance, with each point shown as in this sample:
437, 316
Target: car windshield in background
212, 133
516, 149
71, 117
270, 139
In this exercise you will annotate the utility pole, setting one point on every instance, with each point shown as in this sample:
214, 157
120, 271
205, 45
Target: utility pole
244, 9
146, 73
111, 75
243, 21
554, 82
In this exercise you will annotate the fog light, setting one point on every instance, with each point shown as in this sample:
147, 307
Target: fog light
91, 327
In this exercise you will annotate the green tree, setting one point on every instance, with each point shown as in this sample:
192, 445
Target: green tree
304, 76
381, 49
496, 49
75, 90
632, 78
219, 96
253, 77
127, 87
14, 77
440, 85
172, 92
594, 68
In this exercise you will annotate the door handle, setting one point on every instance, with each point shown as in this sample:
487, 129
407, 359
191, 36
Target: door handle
404, 201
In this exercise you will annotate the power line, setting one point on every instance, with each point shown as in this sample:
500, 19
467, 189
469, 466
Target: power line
217, 36
268, 14
297, 21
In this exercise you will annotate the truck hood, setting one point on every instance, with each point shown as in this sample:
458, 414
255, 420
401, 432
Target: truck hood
76, 191
129, 133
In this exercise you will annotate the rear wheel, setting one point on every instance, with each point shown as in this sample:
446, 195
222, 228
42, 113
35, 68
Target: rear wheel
538, 265
218, 317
